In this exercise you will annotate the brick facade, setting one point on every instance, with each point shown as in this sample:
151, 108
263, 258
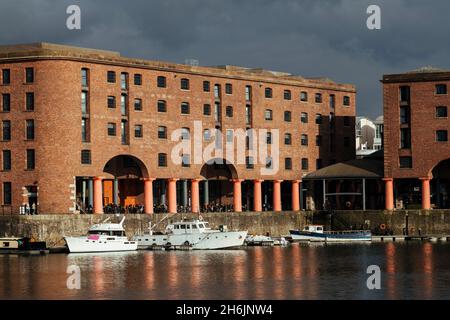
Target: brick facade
57, 116
415, 113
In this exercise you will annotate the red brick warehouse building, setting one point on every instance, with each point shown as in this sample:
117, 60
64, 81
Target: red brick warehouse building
416, 146
84, 127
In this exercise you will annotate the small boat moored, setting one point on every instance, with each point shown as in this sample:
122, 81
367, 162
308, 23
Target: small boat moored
316, 233
16, 245
103, 237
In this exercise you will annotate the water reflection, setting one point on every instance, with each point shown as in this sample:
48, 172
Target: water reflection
298, 272
391, 270
428, 270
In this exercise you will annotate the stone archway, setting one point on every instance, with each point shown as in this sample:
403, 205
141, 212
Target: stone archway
440, 187
217, 190
125, 190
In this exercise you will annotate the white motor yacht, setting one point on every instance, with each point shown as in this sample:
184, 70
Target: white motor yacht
193, 233
103, 237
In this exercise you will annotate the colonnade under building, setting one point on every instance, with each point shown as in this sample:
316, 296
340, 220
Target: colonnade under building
187, 193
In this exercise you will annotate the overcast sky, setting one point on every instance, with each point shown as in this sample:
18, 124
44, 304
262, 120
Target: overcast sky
311, 38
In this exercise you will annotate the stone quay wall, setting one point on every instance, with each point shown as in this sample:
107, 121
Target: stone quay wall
52, 227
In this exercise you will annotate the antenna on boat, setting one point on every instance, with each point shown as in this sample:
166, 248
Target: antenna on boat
123, 219
106, 220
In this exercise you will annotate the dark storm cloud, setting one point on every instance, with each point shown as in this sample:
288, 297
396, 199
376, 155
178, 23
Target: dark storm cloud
310, 38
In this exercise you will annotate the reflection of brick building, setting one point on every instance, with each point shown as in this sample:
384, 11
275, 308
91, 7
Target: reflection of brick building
416, 146
88, 127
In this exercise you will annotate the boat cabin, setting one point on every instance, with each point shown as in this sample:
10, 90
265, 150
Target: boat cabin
194, 226
313, 228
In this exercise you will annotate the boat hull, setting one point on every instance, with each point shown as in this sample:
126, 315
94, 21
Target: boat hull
83, 244
298, 235
346, 236
198, 241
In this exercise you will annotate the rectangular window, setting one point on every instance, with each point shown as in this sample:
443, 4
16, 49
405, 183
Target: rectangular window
30, 129
405, 114
248, 93
185, 161
184, 84
441, 112
206, 86
85, 156
162, 160
304, 96
287, 139
305, 164
269, 163
138, 132
217, 91
162, 132
304, 140
6, 130
287, 116
249, 140
405, 162
249, 162
318, 98
84, 102
6, 76
185, 134
111, 101
229, 111
111, 129
441, 135
206, 134
304, 117
138, 104
162, 106
229, 136
6, 157
138, 79
288, 163
268, 114
29, 75
287, 95
269, 137
124, 81
404, 93
318, 118
332, 101
217, 111
123, 105
111, 76
124, 132
7, 193
161, 82
248, 114
268, 93
206, 109
84, 130
30, 159
346, 101
405, 138
84, 77
6, 102
441, 89
228, 88
29, 101
184, 108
